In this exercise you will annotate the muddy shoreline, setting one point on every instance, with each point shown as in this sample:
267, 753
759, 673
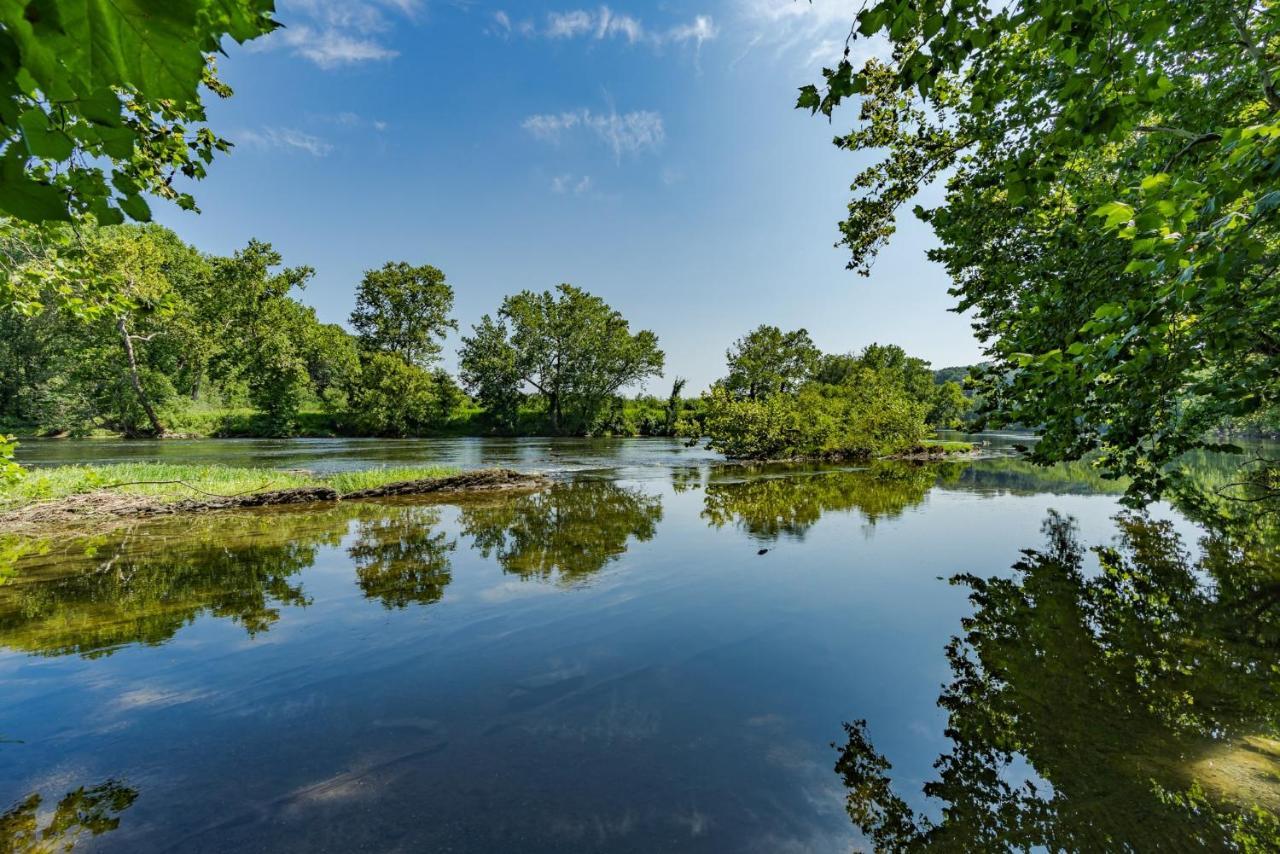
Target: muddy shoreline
106, 505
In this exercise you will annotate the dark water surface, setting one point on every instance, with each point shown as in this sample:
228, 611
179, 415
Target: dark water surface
657, 653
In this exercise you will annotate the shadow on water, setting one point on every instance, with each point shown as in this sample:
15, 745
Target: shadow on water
1143, 697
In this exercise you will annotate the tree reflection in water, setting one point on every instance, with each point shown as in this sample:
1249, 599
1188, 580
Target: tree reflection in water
400, 558
91, 596
570, 530
86, 812
1145, 697
770, 507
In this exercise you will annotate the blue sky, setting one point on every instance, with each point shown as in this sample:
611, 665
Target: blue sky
647, 152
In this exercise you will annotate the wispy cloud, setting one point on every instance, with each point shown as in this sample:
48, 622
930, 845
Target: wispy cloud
604, 24
286, 139
624, 133
348, 119
569, 183
811, 34
335, 33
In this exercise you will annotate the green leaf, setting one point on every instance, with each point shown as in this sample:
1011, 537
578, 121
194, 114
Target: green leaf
41, 139
26, 198
1114, 213
136, 207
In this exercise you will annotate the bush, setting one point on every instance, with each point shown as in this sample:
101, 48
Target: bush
872, 419
10, 471
396, 398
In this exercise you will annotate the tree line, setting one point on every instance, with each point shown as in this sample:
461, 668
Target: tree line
783, 398
187, 336
185, 331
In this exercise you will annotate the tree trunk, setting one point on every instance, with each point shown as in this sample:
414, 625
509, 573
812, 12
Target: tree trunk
122, 325
555, 411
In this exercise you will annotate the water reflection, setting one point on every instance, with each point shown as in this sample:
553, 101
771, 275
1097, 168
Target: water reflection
95, 595
770, 507
86, 812
569, 531
1143, 696
400, 558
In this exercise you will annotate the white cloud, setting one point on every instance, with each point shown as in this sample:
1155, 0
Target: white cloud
549, 127
567, 183
567, 25
604, 24
334, 33
812, 34
624, 133
701, 29
286, 139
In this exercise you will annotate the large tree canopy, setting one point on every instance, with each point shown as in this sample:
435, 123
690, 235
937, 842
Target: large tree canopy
767, 360
404, 310
1111, 189
570, 348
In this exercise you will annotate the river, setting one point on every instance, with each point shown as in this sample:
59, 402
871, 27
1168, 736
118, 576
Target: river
660, 652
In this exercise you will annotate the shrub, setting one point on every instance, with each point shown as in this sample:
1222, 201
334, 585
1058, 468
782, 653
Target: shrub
871, 419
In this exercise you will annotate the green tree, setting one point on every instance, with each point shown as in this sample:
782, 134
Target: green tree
262, 330
404, 310
394, 397
570, 347
333, 364
488, 367
871, 419
891, 361
947, 405
767, 360
1109, 207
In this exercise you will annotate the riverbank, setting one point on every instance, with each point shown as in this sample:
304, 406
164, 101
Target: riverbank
78, 494
632, 418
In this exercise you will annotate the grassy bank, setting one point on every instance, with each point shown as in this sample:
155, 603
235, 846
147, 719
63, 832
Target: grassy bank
172, 483
947, 446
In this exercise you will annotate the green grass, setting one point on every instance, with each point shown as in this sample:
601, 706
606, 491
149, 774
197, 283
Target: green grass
947, 446
169, 482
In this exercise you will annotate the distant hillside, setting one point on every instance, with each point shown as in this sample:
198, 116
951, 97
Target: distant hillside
953, 375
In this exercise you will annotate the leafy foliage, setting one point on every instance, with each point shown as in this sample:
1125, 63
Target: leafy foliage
570, 348
101, 102
817, 422
395, 397
10, 471
783, 399
767, 361
1109, 211
404, 310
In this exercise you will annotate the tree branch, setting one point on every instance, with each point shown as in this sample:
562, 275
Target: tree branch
1264, 77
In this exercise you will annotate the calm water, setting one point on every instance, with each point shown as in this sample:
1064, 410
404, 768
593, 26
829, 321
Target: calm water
657, 653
